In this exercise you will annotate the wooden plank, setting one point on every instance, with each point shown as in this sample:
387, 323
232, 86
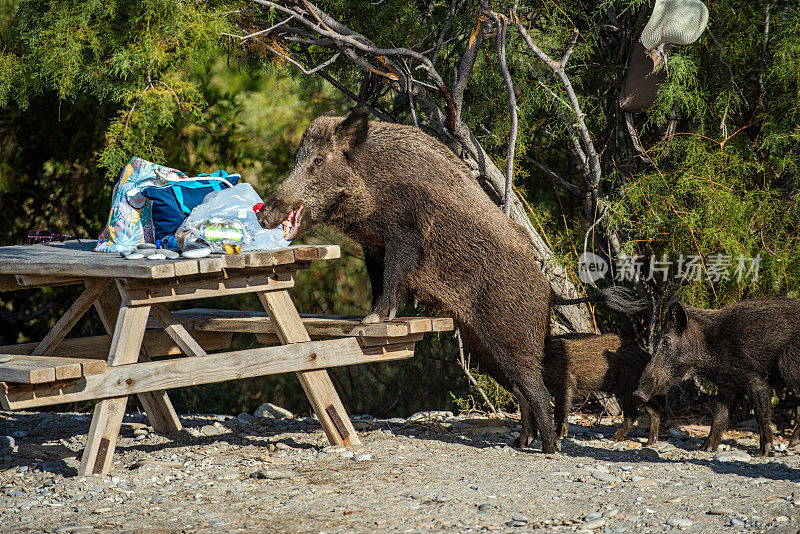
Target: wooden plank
306, 253
415, 324
281, 256
212, 264
186, 267
442, 324
104, 430
156, 343
94, 287
33, 280
378, 341
177, 332
316, 384
77, 260
65, 368
27, 374
260, 323
160, 412
234, 261
198, 289
8, 282
312, 356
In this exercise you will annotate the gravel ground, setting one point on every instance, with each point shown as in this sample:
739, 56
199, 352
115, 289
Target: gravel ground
431, 472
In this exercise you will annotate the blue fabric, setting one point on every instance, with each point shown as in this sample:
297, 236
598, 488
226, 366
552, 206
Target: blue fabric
173, 202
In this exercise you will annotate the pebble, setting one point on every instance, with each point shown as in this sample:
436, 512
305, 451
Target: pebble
721, 511
170, 254
626, 467
101, 510
647, 452
593, 516
611, 513
156, 257
273, 411
334, 448
733, 456
781, 519
602, 468
7, 443
146, 246
140, 432
591, 525
346, 454
211, 430
678, 434
195, 253
362, 457
115, 480
737, 523
273, 474
607, 478
680, 522
520, 518
135, 256
19, 434
485, 507
81, 529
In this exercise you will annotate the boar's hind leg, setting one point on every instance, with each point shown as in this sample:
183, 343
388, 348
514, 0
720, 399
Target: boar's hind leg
531, 387
760, 395
529, 431
400, 257
727, 398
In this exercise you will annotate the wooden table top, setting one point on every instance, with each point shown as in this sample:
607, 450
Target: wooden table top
79, 260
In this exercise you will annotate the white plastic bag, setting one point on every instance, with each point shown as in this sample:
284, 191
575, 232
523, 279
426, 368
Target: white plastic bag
235, 205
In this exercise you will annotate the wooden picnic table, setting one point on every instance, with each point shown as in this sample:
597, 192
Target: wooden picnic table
131, 296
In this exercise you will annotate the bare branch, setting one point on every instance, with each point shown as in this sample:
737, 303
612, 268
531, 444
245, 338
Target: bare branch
502, 27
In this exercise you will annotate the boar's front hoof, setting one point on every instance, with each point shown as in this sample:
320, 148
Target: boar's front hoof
523, 440
708, 446
765, 452
619, 435
550, 447
372, 318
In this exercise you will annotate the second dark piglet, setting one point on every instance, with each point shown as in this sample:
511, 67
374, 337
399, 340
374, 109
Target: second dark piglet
588, 363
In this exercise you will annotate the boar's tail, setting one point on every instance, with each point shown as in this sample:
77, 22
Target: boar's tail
617, 298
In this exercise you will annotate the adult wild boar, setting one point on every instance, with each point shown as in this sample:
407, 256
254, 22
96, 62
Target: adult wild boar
424, 223
589, 363
748, 347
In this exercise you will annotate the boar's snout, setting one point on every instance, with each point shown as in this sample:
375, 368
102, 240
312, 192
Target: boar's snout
642, 395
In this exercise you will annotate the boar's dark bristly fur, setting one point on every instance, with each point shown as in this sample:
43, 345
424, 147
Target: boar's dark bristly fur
745, 348
419, 214
589, 363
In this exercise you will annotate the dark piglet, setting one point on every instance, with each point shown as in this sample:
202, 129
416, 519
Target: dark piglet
745, 348
589, 363
425, 224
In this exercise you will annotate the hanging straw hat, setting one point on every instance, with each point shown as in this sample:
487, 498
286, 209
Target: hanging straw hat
678, 22
673, 22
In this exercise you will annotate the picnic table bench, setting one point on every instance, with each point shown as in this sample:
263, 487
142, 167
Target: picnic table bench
150, 348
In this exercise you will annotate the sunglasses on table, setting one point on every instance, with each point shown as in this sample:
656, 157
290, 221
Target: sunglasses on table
46, 236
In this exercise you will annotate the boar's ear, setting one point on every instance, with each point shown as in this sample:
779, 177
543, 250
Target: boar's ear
678, 316
352, 131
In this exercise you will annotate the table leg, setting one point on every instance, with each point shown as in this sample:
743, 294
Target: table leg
317, 384
156, 404
104, 430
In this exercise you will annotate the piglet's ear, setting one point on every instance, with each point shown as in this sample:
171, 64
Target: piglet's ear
352, 131
678, 316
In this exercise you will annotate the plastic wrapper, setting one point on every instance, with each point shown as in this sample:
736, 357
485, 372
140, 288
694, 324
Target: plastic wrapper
227, 222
